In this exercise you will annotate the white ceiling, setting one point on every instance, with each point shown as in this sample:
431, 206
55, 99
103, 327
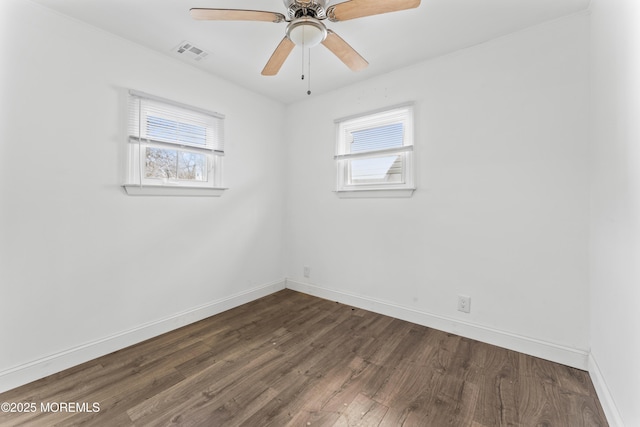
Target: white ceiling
239, 50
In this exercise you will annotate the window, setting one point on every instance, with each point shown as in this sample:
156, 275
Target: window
173, 149
375, 154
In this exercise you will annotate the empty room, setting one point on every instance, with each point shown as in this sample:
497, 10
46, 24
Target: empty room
320, 213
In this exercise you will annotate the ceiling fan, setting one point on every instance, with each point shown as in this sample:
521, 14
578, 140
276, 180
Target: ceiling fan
306, 28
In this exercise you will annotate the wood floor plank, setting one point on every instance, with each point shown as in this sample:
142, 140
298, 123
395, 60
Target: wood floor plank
355, 384
362, 411
280, 410
497, 377
202, 387
313, 418
539, 393
291, 359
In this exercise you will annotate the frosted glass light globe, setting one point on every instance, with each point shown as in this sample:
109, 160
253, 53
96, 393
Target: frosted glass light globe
306, 32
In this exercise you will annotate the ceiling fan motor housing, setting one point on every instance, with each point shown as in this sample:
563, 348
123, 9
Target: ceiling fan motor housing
306, 8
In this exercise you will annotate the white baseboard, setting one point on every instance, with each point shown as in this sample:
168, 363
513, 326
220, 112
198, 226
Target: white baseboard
40, 368
604, 395
545, 350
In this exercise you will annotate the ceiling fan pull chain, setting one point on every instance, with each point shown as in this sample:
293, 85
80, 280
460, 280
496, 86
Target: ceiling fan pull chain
302, 78
309, 71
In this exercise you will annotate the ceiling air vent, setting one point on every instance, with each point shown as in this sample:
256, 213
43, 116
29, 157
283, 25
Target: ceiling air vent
188, 50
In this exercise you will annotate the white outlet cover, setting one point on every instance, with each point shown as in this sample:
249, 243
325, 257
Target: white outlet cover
464, 303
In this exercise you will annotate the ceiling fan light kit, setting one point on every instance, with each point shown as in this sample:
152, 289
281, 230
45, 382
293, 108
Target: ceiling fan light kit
306, 32
306, 28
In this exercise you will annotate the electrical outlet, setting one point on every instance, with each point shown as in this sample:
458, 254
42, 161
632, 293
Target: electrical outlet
307, 271
464, 303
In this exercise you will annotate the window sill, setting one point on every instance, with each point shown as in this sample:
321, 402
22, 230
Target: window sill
158, 190
375, 193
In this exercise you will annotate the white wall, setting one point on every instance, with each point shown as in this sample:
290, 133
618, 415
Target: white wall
615, 223
501, 210
84, 268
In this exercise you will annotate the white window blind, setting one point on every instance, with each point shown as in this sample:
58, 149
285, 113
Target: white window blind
374, 151
158, 120
172, 144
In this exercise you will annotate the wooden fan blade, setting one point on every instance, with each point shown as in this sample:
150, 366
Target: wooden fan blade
360, 8
235, 15
278, 57
346, 53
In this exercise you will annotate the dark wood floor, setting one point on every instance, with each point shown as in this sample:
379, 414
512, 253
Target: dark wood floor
294, 360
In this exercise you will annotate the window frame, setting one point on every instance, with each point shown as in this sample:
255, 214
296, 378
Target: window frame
345, 187
140, 106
